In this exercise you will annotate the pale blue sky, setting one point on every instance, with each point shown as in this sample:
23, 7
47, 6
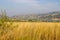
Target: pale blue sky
14, 7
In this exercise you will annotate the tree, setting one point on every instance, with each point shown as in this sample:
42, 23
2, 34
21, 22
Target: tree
4, 16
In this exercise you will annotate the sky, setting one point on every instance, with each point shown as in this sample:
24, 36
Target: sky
16, 7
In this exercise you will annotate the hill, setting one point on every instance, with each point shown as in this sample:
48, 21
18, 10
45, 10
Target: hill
52, 16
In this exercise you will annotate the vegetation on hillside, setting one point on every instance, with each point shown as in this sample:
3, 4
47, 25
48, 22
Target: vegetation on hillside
50, 17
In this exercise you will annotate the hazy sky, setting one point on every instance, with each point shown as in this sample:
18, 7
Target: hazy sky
29, 6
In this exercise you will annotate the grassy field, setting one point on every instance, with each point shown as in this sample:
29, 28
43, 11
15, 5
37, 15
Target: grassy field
30, 31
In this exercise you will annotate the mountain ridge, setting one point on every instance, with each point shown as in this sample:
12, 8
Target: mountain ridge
53, 16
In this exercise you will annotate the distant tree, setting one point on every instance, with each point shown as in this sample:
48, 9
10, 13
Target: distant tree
50, 16
30, 20
4, 16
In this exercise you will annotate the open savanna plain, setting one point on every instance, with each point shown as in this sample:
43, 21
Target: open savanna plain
30, 31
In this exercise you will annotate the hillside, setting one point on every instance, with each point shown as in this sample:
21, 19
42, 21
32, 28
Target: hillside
53, 16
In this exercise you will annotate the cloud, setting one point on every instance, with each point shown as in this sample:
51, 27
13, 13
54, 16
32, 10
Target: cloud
34, 6
23, 1
28, 2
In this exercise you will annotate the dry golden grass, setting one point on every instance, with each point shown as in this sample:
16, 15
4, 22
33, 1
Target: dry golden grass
33, 31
